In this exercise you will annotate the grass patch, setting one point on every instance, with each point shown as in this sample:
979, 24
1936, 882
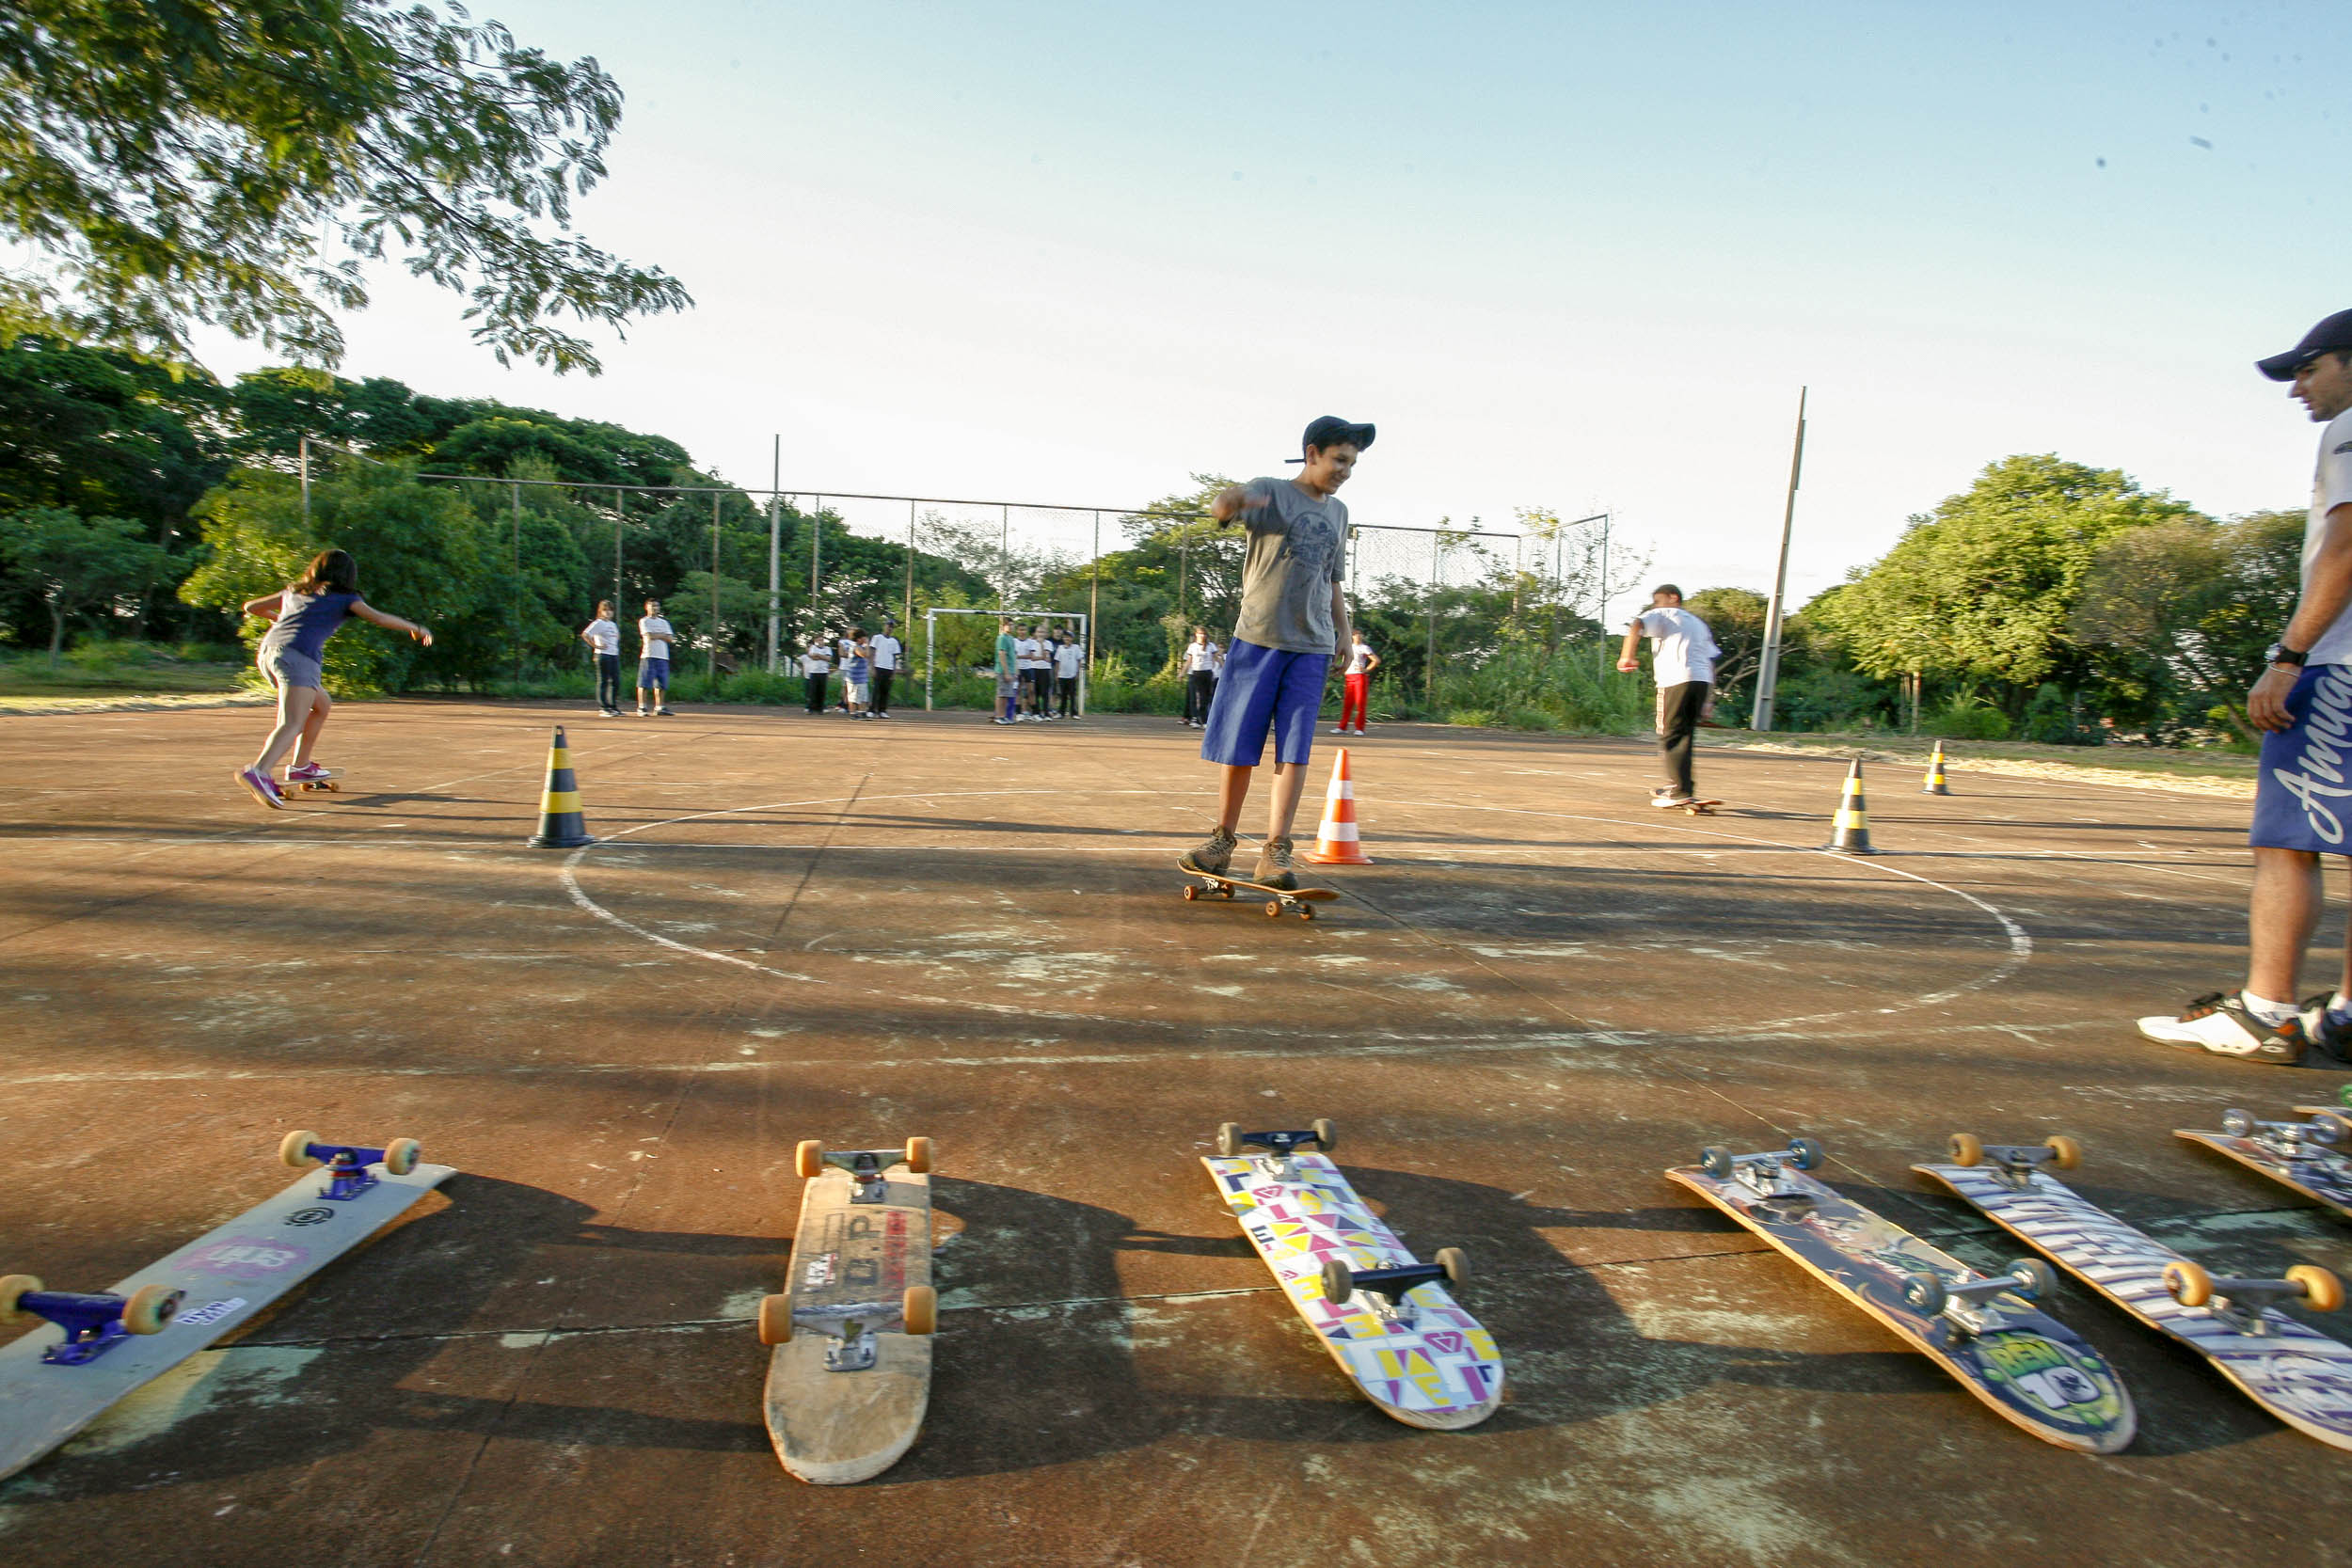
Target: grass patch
96, 668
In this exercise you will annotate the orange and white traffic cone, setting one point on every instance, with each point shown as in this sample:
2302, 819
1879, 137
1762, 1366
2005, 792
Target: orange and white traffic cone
1335, 842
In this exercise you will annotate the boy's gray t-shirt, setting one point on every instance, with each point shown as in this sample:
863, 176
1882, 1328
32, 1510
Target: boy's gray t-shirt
1297, 551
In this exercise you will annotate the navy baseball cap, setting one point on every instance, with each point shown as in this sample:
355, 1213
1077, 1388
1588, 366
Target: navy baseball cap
2334, 335
1332, 431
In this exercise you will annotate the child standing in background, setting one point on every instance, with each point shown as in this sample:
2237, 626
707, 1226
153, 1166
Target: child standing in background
653, 639
1361, 662
603, 634
857, 672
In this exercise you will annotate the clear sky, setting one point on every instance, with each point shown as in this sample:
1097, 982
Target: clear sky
1569, 256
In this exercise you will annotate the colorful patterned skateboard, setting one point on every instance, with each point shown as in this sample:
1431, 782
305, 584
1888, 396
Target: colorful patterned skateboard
2297, 1373
95, 1348
2314, 1157
1278, 900
2031, 1369
846, 1400
1386, 1320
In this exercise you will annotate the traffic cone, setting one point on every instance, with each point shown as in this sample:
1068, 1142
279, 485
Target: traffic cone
560, 827
1852, 833
1934, 785
1335, 841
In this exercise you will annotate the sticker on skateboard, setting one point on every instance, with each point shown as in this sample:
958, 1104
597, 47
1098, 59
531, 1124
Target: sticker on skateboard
2313, 1156
1279, 901
851, 1375
1387, 1319
1985, 1331
96, 1347
2297, 1373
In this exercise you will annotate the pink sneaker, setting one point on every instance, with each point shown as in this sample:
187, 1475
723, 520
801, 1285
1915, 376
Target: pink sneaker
307, 771
264, 790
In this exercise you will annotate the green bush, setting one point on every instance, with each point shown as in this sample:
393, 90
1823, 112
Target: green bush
1968, 717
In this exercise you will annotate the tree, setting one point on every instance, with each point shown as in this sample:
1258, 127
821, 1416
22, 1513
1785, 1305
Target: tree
74, 563
176, 163
1981, 589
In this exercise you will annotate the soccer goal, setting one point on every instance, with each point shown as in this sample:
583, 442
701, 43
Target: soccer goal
930, 637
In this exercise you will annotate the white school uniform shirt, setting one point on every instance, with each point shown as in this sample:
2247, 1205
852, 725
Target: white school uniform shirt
818, 660
1359, 657
1200, 659
1686, 649
1024, 654
1067, 658
2331, 487
646, 647
885, 652
603, 635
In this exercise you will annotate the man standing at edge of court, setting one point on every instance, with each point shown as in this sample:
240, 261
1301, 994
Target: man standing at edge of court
888, 650
1293, 622
2303, 700
1683, 667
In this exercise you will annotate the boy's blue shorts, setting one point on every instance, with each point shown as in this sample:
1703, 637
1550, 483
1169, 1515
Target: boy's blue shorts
1262, 689
2304, 791
653, 673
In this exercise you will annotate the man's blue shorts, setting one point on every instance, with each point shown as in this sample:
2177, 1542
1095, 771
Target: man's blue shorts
1265, 689
2304, 792
653, 673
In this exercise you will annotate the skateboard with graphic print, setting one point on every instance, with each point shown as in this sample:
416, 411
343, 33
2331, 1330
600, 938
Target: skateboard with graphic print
1389, 1321
1985, 1330
2313, 1156
851, 1375
87, 1350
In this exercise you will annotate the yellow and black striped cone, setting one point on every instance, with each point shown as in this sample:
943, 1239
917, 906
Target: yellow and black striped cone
1852, 833
560, 827
1934, 785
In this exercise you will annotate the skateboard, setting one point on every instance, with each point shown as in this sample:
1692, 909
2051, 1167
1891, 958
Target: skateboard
1698, 808
94, 1348
851, 1370
1279, 901
2297, 1373
1386, 1320
2314, 1157
1985, 1330
329, 783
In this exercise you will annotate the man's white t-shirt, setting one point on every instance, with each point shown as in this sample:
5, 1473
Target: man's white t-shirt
646, 647
1199, 658
1360, 658
2331, 487
1024, 654
885, 652
1686, 649
818, 660
603, 635
1067, 658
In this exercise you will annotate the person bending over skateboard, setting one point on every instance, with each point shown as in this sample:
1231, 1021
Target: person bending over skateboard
1293, 620
303, 615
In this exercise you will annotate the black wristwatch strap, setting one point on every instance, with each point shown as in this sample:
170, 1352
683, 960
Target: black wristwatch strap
2281, 653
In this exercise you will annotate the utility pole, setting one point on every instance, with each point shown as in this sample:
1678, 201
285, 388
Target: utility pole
1768, 663
775, 556
711, 671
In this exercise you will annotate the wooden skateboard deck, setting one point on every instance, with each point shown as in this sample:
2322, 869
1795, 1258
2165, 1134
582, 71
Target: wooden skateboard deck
2290, 1153
1207, 884
1698, 808
2030, 1369
228, 1277
2297, 1373
830, 1426
1428, 1363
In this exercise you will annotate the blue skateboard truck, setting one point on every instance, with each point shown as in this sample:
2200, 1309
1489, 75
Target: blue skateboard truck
93, 1325
347, 1163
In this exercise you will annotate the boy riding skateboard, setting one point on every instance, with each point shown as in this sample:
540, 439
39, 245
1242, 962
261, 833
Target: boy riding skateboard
1293, 620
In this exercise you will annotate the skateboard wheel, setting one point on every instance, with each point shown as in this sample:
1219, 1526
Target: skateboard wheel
1455, 1262
1808, 1154
2332, 1127
2065, 1152
2189, 1284
1326, 1134
1228, 891
1191, 893
1339, 1280
920, 1308
1306, 912
918, 1156
1715, 1160
775, 1320
13, 1289
150, 1307
1273, 908
2035, 1279
1967, 1149
400, 1156
1925, 1293
808, 1159
2239, 1124
1229, 1140
294, 1150
2322, 1290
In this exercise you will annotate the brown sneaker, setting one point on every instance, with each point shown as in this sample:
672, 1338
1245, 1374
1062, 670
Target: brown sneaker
1274, 865
1214, 858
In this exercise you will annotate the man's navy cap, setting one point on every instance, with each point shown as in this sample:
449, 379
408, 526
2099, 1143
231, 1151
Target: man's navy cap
1332, 431
2330, 336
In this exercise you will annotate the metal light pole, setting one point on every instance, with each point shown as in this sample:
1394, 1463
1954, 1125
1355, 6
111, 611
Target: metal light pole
1768, 662
775, 556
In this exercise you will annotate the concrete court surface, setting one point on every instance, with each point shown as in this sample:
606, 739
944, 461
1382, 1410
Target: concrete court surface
1544, 992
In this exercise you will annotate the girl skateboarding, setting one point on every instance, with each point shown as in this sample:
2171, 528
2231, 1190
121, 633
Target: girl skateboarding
303, 615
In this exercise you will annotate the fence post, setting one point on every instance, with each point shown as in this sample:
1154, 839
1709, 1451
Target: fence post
1094, 606
930, 658
815, 553
1429, 658
710, 668
305, 489
906, 611
775, 556
518, 490
620, 519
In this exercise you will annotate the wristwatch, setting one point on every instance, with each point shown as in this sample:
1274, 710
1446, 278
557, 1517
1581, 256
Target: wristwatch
2281, 653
